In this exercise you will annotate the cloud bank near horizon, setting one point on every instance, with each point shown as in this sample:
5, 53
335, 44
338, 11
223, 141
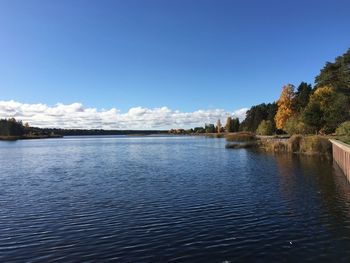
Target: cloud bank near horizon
76, 116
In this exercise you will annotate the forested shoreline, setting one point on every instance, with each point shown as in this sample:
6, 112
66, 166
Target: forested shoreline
322, 109
11, 129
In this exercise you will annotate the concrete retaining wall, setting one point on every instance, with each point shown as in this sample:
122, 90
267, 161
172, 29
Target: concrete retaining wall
341, 155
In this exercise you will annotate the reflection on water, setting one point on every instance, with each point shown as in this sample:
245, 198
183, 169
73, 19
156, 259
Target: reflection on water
168, 199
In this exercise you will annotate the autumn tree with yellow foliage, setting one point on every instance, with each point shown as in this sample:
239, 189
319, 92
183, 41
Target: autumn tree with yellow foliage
326, 110
285, 106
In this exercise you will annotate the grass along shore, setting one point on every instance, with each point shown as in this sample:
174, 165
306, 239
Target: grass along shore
297, 144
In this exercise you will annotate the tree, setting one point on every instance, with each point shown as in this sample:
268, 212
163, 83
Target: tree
336, 74
11, 127
253, 117
229, 125
326, 110
235, 125
199, 130
312, 116
302, 96
209, 128
271, 109
285, 106
232, 125
265, 128
256, 114
343, 129
337, 113
295, 125
218, 126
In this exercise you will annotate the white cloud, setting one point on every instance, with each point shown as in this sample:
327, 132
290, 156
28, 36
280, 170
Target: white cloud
77, 116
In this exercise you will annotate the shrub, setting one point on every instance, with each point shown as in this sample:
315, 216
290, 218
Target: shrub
319, 145
294, 143
274, 145
241, 137
265, 128
315, 145
295, 125
345, 139
343, 129
280, 147
241, 145
215, 135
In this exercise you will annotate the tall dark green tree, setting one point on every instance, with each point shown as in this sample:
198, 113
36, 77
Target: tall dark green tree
256, 114
336, 74
209, 128
302, 96
312, 116
235, 125
229, 125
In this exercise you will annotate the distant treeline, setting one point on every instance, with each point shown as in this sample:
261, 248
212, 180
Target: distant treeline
232, 125
13, 128
77, 132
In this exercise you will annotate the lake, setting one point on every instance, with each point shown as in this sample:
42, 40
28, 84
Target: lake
168, 199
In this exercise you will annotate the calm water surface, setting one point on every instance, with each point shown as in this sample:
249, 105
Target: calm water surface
167, 199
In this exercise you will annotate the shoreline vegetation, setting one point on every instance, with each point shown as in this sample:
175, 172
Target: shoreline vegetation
296, 144
305, 144
302, 120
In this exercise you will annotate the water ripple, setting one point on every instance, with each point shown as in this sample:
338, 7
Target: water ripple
166, 200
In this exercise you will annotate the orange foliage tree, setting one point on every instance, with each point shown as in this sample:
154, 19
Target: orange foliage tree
285, 106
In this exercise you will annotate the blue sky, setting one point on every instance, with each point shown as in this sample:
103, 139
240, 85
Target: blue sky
185, 55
